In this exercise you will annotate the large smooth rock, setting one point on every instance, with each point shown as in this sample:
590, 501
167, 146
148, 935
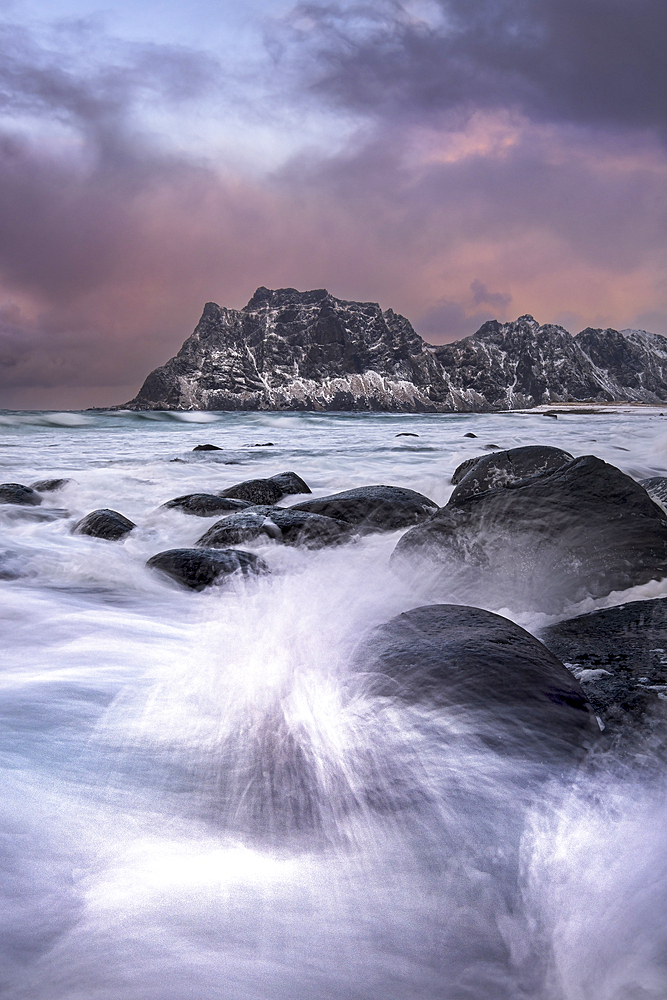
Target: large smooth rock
206, 504
104, 523
373, 508
236, 529
206, 447
290, 483
314, 531
493, 680
490, 472
585, 529
199, 568
19, 494
619, 656
49, 485
255, 491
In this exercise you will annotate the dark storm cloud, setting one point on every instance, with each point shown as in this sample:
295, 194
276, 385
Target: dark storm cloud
591, 62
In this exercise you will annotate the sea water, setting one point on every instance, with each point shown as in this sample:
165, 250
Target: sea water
196, 805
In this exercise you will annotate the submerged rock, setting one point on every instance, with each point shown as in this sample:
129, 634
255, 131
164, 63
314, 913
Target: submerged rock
290, 483
619, 656
373, 508
255, 491
582, 530
498, 684
50, 485
104, 523
199, 568
490, 472
206, 504
238, 528
206, 447
19, 494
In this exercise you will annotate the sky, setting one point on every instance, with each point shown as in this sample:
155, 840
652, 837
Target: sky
454, 160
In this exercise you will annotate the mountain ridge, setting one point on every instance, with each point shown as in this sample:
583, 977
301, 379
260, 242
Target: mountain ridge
291, 350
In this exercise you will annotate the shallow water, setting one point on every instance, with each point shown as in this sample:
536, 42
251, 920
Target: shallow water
159, 839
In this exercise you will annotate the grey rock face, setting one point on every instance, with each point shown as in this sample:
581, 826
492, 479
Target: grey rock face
582, 530
290, 350
517, 697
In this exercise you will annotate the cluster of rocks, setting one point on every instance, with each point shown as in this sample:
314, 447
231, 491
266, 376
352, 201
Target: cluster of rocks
535, 525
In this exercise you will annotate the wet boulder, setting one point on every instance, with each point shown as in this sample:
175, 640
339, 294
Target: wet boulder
494, 681
49, 485
104, 523
314, 531
619, 656
237, 529
19, 494
255, 491
492, 472
206, 504
290, 483
206, 447
582, 530
373, 508
199, 568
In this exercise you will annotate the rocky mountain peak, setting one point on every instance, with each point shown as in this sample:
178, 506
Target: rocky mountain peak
309, 350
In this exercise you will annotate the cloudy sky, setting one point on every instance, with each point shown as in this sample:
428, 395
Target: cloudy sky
454, 160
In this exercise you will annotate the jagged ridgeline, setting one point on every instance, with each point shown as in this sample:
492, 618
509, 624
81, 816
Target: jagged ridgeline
290, 350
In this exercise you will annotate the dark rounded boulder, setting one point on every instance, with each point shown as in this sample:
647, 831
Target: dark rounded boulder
206, 504
314, 531
495, 681
199, 568
236, 529
255, 491
290, 483
582, 530
373, 508
206, 447
104, 523
19, 494
618, 657
491, 472
49, 485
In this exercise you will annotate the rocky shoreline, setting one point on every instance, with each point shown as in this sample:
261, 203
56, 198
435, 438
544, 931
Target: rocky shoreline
532, 524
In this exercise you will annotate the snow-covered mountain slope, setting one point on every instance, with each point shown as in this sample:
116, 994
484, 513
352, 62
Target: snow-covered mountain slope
290, 350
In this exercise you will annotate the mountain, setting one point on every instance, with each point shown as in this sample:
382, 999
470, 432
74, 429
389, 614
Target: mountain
290, 350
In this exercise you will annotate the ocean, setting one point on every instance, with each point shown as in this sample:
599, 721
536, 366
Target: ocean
158, 839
